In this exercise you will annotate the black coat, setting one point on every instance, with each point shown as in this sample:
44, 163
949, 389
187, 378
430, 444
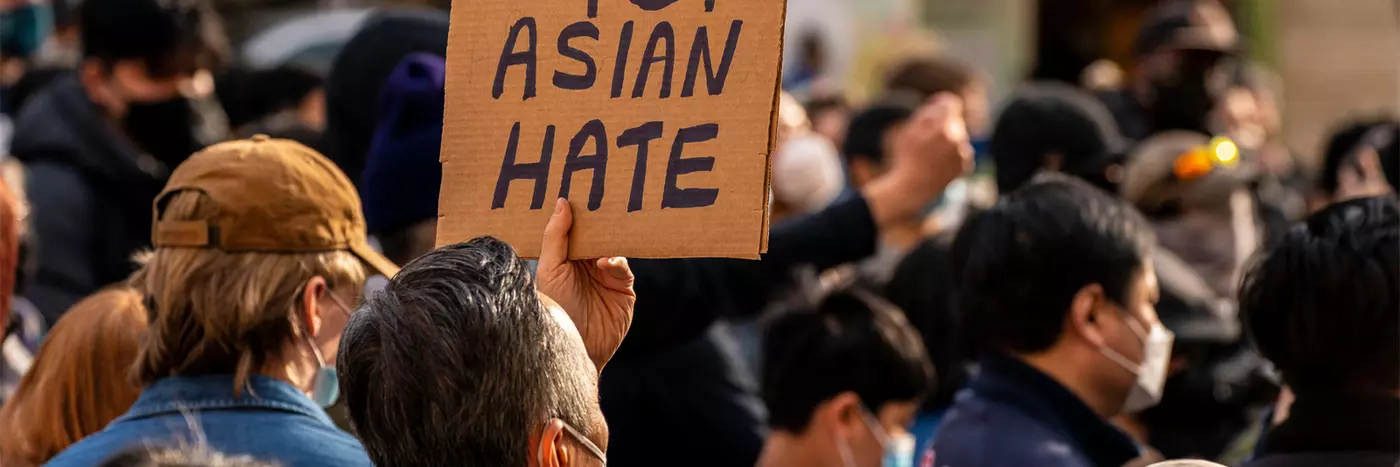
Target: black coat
90, 192
1335, 430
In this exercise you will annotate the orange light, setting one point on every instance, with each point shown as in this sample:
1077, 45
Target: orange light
1194, 164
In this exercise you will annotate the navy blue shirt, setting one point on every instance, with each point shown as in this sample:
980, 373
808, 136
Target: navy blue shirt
1013, 415
269, 420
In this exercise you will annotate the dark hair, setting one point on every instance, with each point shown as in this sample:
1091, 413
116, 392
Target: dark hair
143, 456
456, 361
923, 287
865, 137
1020, 263
850, 340
1342, 146
930, 75
1321, 305
1049, 118
169, 36
248, 95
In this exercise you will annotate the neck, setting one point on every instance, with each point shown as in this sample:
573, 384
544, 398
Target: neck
1073, 377
787, 449
294, 365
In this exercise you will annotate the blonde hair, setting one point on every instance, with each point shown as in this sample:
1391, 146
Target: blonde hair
214, 312
79, 381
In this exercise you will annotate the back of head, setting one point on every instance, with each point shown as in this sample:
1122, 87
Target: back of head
1020, 263
240, 231
79, 381
866, 135
189, 457
1340, 145
930, 75
923, 287
162, 33
1321, 305
402, 173
360, 71
456, 362
1053, 127
849, 341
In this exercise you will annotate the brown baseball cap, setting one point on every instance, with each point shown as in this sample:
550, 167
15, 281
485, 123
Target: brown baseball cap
270, 195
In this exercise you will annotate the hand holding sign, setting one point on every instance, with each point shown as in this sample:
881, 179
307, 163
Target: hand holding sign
930, 152
597, 294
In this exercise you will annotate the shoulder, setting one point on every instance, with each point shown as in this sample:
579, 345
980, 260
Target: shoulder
977, 432
94, 449
1309, 459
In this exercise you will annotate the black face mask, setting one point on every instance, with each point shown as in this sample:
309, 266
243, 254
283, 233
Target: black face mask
172, 130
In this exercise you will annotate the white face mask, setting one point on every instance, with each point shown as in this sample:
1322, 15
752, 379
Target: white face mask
1152, 372
899, 447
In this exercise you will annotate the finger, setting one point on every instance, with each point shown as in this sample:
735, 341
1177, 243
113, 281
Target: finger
554, 251
616, 268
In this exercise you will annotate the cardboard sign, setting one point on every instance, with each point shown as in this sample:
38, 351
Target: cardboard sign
655, 118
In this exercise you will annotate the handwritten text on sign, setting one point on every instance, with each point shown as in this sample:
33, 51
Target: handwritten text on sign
654, 116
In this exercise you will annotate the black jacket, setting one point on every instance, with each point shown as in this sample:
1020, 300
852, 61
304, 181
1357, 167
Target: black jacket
674, 389
90, 191
1335, 431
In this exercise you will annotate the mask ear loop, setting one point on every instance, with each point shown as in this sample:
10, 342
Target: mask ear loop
587, 444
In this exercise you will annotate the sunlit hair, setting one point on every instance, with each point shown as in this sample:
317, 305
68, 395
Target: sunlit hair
214, 312
79, 381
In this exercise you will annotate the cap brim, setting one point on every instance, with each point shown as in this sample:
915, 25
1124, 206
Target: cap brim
376, 261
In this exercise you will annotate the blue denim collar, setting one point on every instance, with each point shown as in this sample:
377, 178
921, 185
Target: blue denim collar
178, 394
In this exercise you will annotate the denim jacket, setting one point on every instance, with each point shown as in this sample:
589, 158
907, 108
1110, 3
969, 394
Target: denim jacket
269, 420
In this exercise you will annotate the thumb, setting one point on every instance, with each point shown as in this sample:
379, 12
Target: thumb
554, 251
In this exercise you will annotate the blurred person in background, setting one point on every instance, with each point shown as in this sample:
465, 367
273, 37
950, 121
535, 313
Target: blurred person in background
1057, 285
359, 74
928, 76
283, 102
1051, 127
873, 134
1322, 306
924, 289
402, 174
1197, 195
667, 373
468, 359
260, 254
1361, 159
80, 380
830, 116
843, 378
99, 145
1184, 53
807, 169
19, 335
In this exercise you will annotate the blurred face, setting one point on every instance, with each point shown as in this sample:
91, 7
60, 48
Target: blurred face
166, 110
1184, 86
128, 82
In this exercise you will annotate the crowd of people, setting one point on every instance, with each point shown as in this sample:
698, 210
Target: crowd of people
200, 266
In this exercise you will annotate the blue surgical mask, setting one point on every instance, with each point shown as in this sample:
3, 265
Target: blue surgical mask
325, 385
24, 29
899, 447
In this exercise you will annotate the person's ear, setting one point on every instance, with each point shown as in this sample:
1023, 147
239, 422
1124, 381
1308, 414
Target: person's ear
93, 75
843, 412
862, 171
312, 297
547, 446
1084, 314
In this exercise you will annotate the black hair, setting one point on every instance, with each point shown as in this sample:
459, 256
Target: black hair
1020, 263
456, 362
865, 137
1322, 304
927, 76
170, 36
850, 340
1341, 148
248, 95
1046, 119
923, 287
